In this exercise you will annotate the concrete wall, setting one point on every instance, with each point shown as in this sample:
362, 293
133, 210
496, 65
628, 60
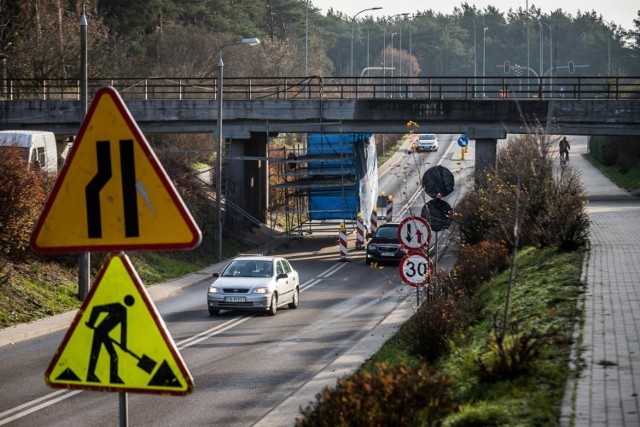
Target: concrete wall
477, 118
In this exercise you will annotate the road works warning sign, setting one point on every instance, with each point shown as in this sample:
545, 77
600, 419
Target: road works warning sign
118, 341
112, 193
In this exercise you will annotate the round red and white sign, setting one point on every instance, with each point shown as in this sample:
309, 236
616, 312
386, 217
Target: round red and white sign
416, 269
414, 232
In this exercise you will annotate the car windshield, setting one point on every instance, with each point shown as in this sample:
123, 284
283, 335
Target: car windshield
248, 268
429, 137
387, 233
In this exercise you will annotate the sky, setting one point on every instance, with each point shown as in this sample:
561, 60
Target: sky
620, 12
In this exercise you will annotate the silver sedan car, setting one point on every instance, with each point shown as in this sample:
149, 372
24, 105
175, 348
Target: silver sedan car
258, 283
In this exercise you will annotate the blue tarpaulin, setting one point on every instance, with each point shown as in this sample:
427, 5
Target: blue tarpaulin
347, 164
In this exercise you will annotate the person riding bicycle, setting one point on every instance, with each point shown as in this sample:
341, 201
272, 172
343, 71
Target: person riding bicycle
564, 149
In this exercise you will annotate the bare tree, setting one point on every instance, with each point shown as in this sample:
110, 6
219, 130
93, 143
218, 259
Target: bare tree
46, 39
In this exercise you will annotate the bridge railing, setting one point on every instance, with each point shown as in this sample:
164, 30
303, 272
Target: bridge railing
245, 88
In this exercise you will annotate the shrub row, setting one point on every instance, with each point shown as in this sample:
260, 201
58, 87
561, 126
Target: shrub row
388, 396
525, 196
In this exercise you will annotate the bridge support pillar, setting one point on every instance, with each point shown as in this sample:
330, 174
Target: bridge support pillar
486, 149
247, 176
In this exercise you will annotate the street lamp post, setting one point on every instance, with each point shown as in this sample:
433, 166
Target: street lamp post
404, 15
353, 20
484, 49
550, 57
384, 49
528, 65
609, 58
611, 30
541, 48
475, 56
306, 39
218, 228
410, 65
393, 66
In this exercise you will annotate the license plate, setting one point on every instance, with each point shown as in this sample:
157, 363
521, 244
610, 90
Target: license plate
235, 299
387, 253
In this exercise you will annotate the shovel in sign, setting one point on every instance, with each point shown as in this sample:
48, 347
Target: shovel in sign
145, 363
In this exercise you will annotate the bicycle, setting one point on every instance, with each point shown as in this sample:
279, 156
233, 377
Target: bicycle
564, 159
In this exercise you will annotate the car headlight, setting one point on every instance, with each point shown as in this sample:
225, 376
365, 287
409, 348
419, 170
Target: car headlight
261, 290
372, 247
213, 290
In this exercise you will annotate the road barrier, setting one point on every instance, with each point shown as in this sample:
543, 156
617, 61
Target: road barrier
360, 232
342, 237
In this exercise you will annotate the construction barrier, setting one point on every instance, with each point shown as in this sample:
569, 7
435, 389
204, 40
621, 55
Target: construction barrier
389, 216
360, 232
374, 222
342, 237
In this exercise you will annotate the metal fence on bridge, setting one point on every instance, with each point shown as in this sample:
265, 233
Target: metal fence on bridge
255, 88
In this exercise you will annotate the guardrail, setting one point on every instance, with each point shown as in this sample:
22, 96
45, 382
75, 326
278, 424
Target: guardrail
246, 88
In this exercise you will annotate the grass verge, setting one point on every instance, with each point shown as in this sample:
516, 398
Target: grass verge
630, 180
37, 289
544, 303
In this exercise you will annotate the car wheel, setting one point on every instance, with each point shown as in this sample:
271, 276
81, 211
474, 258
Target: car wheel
213, 312
368, 261
295, 299
273, 308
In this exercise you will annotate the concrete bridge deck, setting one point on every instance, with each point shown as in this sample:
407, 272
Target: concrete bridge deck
481, 108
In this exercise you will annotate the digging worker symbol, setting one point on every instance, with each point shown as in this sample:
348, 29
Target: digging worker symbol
116, 314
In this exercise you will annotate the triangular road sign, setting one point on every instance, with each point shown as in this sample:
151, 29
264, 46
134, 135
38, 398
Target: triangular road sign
112, 193
118, 341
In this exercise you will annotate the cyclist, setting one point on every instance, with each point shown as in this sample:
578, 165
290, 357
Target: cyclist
564, 149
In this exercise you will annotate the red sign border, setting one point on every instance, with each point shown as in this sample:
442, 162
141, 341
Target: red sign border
157, 318
418, 219
405, 258
155, 163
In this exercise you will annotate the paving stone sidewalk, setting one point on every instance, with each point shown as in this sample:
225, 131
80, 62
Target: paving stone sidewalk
606, 391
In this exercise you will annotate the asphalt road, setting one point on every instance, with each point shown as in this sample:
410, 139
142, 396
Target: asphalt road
243, 365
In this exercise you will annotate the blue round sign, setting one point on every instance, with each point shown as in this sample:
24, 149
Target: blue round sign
463, 141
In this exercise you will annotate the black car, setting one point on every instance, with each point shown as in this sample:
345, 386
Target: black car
384, 246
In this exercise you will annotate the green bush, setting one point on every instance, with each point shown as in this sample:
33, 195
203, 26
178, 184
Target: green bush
563, 221
471, 218
387, 396
428, 332
509, 353
480, 414
524, 194
478, 263
623, 152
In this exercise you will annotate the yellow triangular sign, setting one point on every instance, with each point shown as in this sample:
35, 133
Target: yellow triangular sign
118, 341
112, 193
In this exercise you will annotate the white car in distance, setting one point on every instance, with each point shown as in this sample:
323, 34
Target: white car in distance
427, 142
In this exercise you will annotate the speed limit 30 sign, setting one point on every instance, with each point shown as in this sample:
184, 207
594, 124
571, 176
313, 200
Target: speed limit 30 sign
416, 268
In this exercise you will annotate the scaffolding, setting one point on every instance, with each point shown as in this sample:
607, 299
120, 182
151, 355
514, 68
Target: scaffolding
318, 181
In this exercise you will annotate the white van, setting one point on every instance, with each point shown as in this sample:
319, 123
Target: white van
40, 147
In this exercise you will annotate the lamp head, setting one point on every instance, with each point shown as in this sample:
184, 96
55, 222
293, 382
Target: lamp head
251, 41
